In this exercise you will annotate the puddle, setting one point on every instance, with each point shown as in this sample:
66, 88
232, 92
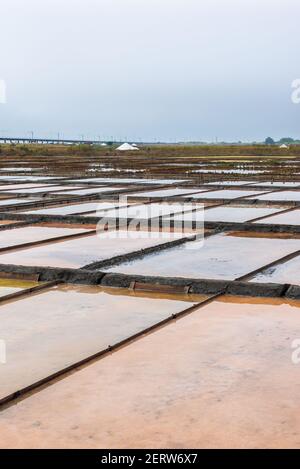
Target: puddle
278, 184
72, 209
220, 257
229, 183
285, 195
31, 234
165, 192
94, 190
41, 189
287, 272
17, 201
146, 211
102, 169
226, 214
215, 369
8, 222
10, 286
30, 178
267, 235
9, 187
53, 329
15, 169
288, 218
87, 249
228, 171
130, 181
225, 194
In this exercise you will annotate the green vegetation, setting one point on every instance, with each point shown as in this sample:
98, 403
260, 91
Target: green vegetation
151, 151
52, 150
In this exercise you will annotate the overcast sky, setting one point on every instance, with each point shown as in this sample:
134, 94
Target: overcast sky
150, 69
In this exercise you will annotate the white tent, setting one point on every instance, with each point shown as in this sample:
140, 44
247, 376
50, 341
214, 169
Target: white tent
103, 144
127, 147
283, 146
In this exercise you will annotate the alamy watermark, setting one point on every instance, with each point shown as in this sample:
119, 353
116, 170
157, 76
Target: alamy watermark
295, 96
2, 92
2, 352
295, 357
164, 220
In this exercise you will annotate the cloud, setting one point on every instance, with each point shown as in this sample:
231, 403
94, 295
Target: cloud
180, 69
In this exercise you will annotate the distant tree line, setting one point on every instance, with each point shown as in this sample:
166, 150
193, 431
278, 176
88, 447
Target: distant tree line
284, 140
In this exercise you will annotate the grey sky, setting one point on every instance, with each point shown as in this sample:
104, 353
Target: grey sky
150, 69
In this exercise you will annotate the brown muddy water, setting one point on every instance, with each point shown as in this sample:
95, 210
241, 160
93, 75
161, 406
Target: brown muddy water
50, 330
222, 377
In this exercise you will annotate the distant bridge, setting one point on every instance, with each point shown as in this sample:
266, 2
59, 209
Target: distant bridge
50, 141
